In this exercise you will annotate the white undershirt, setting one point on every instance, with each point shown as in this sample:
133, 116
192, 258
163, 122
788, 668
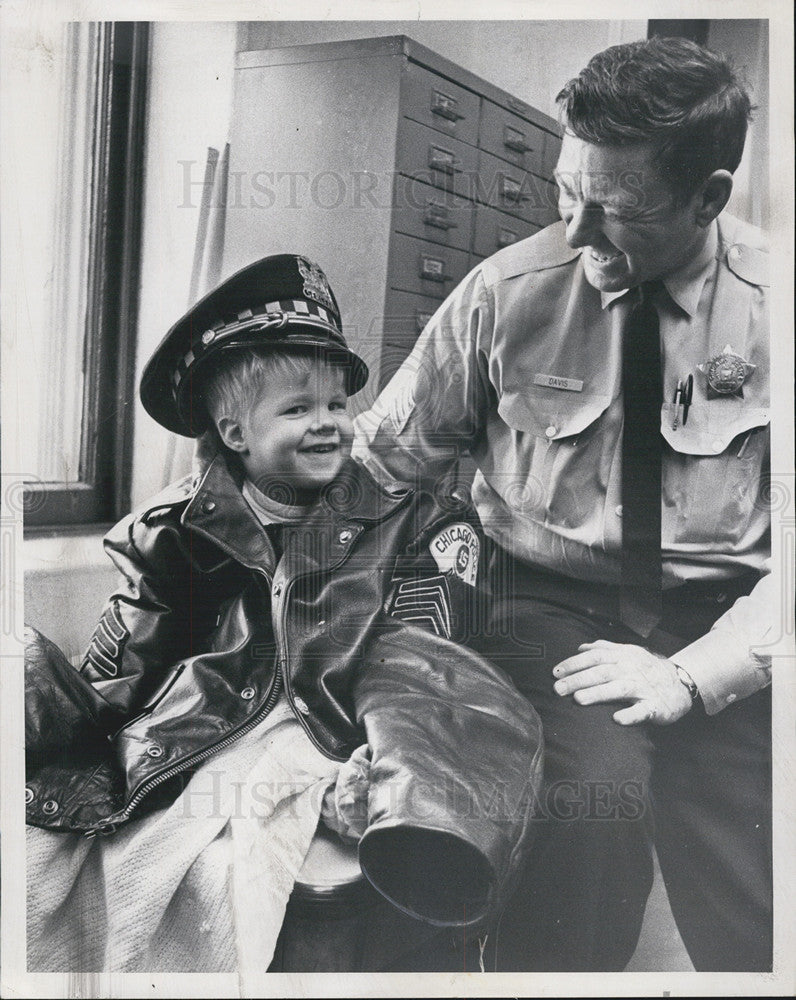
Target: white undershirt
269, 511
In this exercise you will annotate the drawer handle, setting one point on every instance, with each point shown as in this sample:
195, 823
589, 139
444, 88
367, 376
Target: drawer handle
422, 319
506, 237
445, 106
443, 160
511, 190
437, 216
433, 269
514, 139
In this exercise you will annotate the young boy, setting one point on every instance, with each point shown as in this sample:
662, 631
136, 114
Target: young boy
281, 610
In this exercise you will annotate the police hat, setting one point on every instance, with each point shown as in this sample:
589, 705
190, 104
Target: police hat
283, 302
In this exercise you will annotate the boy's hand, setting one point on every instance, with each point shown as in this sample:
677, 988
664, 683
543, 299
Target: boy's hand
345, 805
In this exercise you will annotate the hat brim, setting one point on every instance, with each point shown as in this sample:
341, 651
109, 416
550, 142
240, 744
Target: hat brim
183, 412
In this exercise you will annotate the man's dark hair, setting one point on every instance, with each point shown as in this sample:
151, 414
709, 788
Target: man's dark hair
672, 92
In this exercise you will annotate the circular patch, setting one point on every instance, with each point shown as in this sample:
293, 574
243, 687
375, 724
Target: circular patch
455, 550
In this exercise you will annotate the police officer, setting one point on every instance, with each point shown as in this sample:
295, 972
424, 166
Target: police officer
609, 378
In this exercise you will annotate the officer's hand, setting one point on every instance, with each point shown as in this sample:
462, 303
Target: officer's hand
611, 671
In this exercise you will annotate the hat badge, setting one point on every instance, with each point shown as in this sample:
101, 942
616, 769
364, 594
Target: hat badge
726, 373
316, 286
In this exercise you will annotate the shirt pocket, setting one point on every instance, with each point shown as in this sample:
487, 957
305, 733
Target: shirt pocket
561, 459
551, 414
712, 477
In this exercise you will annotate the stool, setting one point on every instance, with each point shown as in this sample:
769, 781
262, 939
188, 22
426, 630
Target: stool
323, 929
335, 920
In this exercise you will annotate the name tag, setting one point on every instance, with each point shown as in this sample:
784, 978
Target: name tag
557, 382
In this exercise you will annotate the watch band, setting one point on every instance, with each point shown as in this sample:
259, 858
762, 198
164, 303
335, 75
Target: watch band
687, 681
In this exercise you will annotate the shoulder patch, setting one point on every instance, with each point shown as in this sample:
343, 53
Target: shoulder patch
107, 644
456, 550
748, 263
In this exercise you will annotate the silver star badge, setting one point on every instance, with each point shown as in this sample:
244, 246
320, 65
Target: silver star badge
726, 373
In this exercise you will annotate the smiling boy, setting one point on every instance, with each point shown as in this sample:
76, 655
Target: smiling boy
281, 611
286, 418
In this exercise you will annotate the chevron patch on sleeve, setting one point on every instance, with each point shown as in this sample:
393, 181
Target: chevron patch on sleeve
425, 603
107, 644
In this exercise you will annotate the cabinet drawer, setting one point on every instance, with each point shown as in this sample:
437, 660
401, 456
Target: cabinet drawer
436, 159
512, 138
425, 268
495, 230
431, 214
440, 104
516, 191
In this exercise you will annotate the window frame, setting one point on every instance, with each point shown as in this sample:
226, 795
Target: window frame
102, 493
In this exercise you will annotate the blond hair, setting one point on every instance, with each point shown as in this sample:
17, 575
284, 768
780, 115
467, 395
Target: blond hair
240, 377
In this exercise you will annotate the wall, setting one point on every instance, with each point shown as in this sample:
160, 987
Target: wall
529, 59
746, 43
533, 59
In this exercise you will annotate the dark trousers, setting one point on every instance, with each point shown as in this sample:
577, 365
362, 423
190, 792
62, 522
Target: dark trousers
700, 790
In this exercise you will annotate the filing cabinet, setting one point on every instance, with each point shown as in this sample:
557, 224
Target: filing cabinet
394, 169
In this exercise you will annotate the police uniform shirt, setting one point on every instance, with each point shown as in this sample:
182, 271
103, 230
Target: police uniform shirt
521, 366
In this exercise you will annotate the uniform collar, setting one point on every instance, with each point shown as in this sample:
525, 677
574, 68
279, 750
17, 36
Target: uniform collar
685, 285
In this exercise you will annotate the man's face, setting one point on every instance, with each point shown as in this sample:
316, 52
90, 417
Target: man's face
623, 215
298, 435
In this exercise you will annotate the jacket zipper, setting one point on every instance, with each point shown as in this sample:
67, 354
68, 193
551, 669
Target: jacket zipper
201, 755
280, 679
297, 715
198, 757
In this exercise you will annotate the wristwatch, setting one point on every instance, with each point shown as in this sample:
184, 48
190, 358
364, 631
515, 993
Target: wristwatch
688, 682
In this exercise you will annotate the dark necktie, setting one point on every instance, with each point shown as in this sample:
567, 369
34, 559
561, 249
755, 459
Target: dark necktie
640, 591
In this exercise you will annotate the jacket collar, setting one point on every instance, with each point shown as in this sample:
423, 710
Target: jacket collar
218, 511
353, 499
684, 285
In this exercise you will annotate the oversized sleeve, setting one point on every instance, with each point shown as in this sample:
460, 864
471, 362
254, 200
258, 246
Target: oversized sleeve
434, 408
150, 622
147, 624
437, 580
455, 772
455, 750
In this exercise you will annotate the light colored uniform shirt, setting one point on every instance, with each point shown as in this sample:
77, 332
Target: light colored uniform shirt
521, 368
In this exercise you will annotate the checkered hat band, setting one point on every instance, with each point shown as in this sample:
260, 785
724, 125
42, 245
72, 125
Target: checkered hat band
274, 315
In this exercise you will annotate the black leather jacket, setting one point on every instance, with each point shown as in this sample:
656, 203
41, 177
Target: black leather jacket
354, 623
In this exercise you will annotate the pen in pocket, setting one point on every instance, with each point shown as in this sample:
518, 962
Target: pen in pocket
745, 442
